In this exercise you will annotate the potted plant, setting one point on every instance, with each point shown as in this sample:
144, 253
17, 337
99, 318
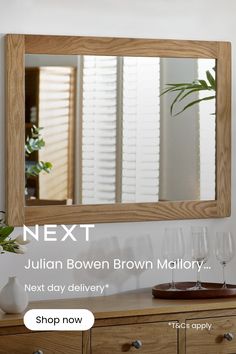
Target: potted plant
7, 244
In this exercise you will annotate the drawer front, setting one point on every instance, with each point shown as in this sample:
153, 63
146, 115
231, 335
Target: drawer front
47, 342
153, 338
212, 341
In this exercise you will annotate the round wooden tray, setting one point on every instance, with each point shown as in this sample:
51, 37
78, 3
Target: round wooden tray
212, 291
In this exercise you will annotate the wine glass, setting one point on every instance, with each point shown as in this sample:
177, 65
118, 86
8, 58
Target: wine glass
137, 248
224, 250
200, 251
103, 249
173, 249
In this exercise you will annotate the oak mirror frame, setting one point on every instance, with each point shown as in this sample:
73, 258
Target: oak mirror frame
18, 45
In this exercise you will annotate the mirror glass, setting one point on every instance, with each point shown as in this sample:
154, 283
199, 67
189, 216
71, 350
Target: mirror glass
106, 129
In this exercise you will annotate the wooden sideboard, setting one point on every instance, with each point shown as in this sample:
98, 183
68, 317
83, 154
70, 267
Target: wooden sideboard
129, 323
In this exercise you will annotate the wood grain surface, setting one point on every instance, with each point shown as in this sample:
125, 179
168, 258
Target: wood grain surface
223, 131
71, 45
135, 303
47, 342
15, 129
18, 45
155, 337
123, 318
109, 213
211, 341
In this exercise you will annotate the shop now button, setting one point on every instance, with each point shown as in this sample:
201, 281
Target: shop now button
59, 320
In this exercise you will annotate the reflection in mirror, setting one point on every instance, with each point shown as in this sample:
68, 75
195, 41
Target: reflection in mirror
99, 130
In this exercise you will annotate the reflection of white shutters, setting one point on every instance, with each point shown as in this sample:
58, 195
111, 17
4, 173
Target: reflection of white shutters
56, 115
141, 130
99, 130
102, 113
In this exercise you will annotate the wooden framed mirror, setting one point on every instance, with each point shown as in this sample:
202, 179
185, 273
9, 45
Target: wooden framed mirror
114, 147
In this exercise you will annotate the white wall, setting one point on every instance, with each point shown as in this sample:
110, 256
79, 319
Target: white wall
179, 160
183, 19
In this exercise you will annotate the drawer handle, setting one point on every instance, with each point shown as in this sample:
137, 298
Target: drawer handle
137, 344
38, 352
229, 336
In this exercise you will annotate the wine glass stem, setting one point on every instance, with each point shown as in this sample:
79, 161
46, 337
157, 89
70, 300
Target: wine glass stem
224, 281
198, 284
172, 279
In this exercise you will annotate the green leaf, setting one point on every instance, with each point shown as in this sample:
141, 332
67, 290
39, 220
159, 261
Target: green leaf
211, 79
35, 142
37, 168
190, 88
195, 102
185, 87
181, 84
190, 92
175, 100
5, 232
204, 84
9, 248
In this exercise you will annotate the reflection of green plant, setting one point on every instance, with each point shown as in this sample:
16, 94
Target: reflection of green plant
33, 143
183, 90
